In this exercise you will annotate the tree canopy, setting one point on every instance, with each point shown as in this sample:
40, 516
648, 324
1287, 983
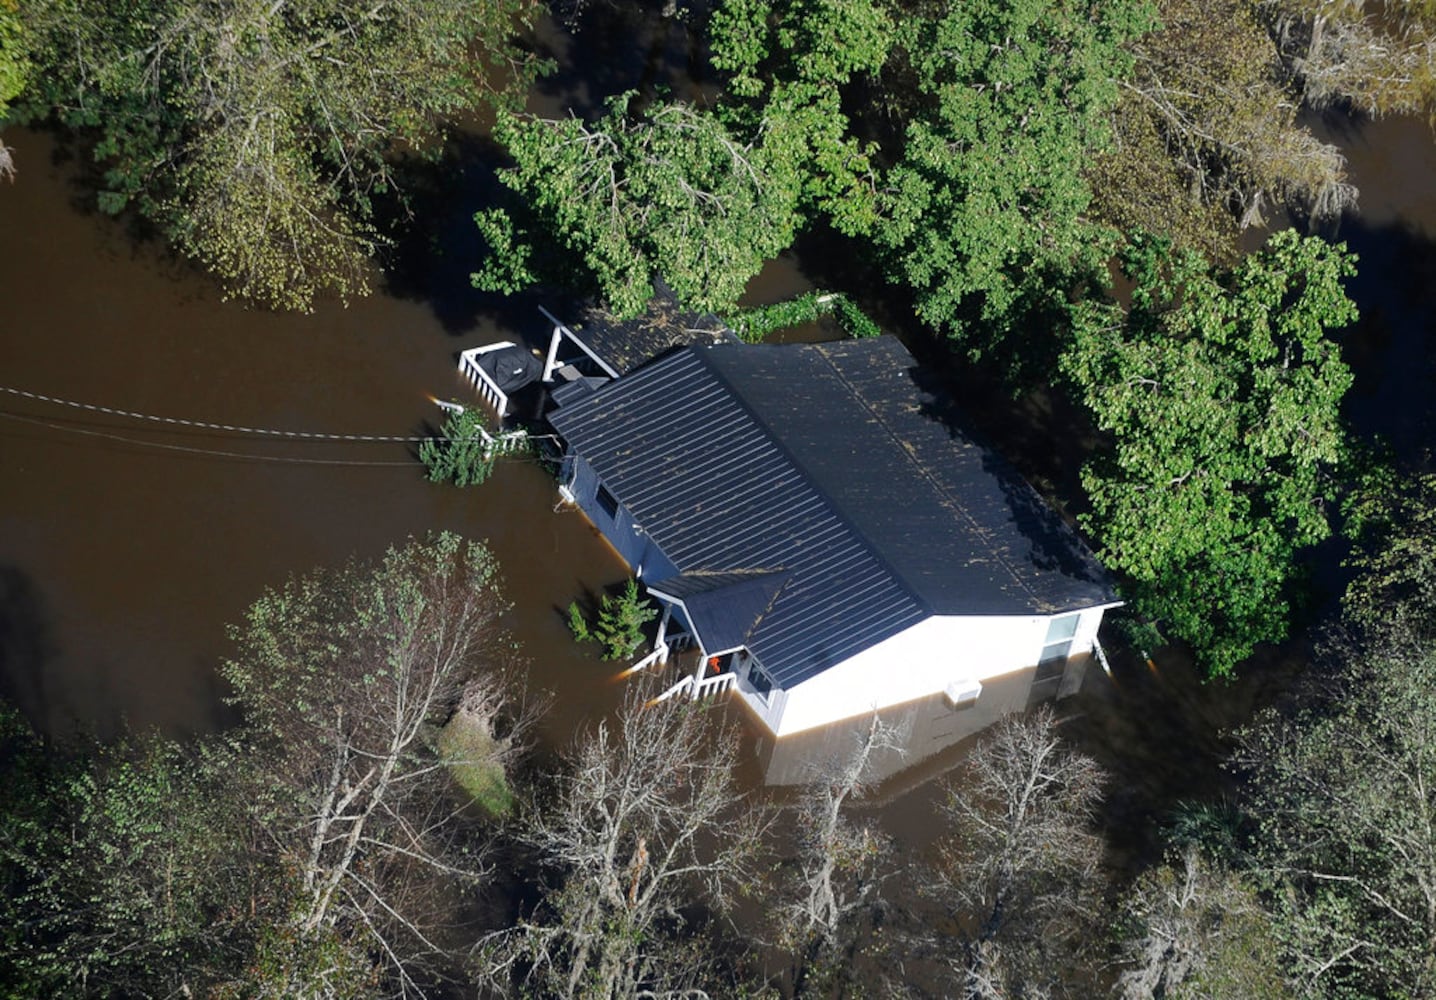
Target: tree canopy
309, 852
1374, 55
1340, 799
1221, 393
14, 66
257, 136
14, 73
1206, 134
980, 207
665, 190
983, 215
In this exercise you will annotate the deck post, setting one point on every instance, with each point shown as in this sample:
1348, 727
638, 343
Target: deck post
659, 642
550, 364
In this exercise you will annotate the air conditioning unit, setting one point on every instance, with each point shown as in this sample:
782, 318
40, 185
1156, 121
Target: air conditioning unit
961, 694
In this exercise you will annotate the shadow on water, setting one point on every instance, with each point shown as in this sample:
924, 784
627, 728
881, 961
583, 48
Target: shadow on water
603, 49
437, 245
27, 644
1391, 350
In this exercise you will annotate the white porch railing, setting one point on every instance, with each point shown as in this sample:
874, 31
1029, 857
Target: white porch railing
716, 684
508, 441
495, 444
659, 655
488, 389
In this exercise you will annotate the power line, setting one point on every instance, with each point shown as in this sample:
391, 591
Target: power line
249, 456
206, 425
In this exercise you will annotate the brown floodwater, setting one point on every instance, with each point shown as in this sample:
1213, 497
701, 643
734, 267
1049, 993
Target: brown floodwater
125, 547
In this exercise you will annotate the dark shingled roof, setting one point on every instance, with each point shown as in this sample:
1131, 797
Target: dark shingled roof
724, 608
833, 463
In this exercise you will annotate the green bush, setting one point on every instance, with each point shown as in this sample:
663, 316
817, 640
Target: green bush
755, 323
463, 453
618, 627
467, 745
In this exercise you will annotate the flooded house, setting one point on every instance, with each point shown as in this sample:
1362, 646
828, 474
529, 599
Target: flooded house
813, 519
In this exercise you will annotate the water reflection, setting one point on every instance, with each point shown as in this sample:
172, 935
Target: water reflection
930, 729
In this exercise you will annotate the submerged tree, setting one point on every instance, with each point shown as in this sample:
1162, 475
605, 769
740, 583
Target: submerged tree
1019, 871
14, 73
344, 679
618, 625
1206, 134
1221, 392
1378, 56
1340, 793
644, 831
666, 192
1193, 929
464, 452
310, 851
257, 136
1391, 519
838, 867
123, 871
983, 214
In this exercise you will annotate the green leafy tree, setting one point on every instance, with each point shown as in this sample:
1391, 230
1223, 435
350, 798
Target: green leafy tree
119, 868
1221, 393
701, 197
983, 212
788, 63
464, 453
1391, 519
257, 136
667, 192
14, 72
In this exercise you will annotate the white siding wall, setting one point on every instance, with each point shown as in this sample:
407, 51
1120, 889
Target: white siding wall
921, 661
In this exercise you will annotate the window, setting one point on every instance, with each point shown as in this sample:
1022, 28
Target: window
1057, 646
608, 502
761, 683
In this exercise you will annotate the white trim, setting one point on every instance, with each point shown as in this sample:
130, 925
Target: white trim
488, 389
692, 628
559, 331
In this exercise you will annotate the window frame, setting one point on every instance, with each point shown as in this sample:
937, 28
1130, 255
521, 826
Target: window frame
606, 501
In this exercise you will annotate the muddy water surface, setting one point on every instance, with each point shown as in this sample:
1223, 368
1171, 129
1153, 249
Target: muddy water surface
125, 549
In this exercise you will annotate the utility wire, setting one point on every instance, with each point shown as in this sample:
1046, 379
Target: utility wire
230, 428
249, 456
206, 425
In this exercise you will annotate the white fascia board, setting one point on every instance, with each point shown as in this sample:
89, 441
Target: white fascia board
561, 330
677, 602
